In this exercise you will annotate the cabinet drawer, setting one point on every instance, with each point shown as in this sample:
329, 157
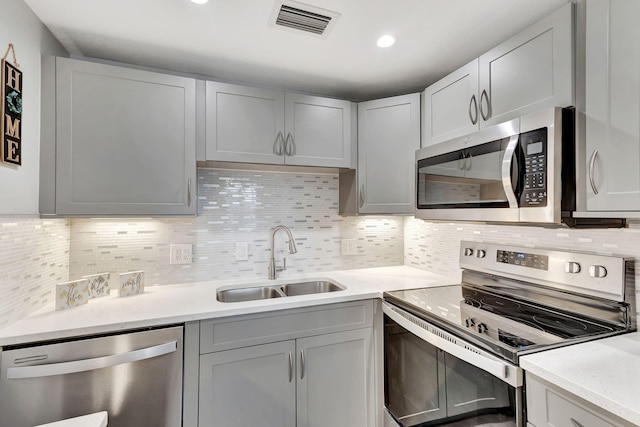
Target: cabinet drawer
550, 406
241, 331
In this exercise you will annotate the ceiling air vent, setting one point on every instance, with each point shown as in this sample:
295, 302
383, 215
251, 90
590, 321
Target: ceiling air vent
302, 17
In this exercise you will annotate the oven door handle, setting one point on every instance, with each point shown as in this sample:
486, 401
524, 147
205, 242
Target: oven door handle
500, 369
507, 161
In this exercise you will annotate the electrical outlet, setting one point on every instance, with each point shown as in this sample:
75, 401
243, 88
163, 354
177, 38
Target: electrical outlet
180, 254
242, 251
348, 247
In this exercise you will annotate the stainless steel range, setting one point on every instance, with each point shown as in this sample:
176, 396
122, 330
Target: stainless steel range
451, 352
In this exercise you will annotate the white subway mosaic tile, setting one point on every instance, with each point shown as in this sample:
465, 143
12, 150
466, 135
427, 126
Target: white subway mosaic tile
240, 206
434, 246
35, 257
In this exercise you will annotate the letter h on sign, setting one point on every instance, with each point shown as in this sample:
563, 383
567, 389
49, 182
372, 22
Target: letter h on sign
11, 123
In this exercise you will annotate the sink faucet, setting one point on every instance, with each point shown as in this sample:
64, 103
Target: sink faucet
273, 268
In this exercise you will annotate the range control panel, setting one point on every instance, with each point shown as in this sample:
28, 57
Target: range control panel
523, 259
589, 273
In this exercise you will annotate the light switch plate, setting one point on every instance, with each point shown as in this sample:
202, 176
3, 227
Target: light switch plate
242, 251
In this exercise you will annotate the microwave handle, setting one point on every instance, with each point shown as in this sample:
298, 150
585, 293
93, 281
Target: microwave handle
507, 161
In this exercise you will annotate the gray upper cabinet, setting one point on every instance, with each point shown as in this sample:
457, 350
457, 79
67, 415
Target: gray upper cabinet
532, 70
612, 107
253, 125
116, 141
388, 136
450, 106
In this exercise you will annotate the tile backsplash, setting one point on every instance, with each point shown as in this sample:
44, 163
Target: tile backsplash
35, 257
240, 206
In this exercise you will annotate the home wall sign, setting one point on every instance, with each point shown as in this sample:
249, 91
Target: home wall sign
11, 124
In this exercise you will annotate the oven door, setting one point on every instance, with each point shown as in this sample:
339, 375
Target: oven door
434, 378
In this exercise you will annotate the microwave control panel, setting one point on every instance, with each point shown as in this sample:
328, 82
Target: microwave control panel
534, 146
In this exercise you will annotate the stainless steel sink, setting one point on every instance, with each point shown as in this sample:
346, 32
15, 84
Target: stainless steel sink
248, 294
310, 287
306, 287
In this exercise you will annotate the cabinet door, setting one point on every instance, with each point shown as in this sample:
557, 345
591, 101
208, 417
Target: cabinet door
250, 386
125, 141
529, 71
244, 124
388, 136
612, 108
318, 131
335, 380
451, 106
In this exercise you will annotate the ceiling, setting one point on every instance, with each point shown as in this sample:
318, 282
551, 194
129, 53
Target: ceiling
233, 40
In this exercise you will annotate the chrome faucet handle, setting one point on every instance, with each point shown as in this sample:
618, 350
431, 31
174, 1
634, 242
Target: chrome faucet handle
284, 265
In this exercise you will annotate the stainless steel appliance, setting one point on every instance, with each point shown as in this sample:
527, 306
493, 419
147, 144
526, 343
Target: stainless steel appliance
519, 171
136, 377
452, 352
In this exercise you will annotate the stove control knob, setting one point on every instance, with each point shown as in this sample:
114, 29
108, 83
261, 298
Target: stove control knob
482, 328
469, 322
572, 267
468, 251
597, 271
480, 253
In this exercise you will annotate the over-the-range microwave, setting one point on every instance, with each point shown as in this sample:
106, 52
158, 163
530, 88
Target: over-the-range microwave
521, 171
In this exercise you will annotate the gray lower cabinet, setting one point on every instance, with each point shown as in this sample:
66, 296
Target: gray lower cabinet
550, 406
250, 386
388, 136
612, 108
310, 367
531, 70
253, 125
116, 141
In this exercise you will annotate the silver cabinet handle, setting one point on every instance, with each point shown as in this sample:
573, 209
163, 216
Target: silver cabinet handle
576, 423
592, 164
301, 364
484, 95
362, 195
90, 364
290, 366
475, 107
467, 166
290, 145
278, 144
189, 192
460, 164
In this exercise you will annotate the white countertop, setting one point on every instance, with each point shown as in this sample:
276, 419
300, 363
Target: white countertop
168, 304
605, 372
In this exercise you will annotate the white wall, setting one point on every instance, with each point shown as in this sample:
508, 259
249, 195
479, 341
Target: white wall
19, 25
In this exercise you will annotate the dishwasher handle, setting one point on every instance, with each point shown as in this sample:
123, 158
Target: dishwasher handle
90, 364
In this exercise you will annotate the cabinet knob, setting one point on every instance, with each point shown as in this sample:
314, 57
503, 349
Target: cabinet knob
597, 271
572, 267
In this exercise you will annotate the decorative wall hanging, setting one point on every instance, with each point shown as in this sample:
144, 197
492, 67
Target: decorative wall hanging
11, 123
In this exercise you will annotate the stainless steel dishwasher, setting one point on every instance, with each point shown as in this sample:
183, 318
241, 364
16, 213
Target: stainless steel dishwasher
136, 377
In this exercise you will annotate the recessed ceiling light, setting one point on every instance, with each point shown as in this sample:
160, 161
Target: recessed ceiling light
386, 40
199, 1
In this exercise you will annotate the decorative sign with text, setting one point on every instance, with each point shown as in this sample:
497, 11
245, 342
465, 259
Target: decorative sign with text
11, 109
131, 283
72, 294
98, 284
